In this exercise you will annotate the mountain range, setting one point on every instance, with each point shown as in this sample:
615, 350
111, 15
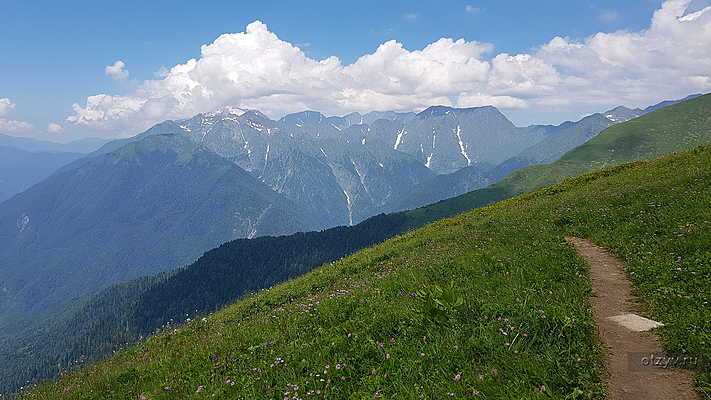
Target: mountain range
158, 200
83, 146
221, 276
20, 169
557, 140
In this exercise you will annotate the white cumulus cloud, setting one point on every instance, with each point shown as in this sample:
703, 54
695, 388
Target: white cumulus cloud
256, 69
6, 106
10, 125
117, 70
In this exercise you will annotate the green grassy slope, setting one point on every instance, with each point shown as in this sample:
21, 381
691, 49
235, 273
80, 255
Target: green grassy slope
490, 303
678, 127
684, 125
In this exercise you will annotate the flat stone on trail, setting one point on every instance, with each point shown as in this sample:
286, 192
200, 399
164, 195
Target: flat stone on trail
635, 322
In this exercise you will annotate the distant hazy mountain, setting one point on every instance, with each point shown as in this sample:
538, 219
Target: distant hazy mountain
670, 102
25, 161
554, 142
568, 135
447, 139
562, 138
20, 169
444, 139
331, 171
150, 206
78, 146
369, 118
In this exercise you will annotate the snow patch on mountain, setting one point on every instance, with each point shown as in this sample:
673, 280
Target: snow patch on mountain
615, 118
398, 140
266, 156
23, 222
462, 147
349, 204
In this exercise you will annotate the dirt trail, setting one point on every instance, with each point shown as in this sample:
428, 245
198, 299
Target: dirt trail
627, 349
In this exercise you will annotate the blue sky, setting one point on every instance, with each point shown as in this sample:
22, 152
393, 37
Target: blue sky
55, 53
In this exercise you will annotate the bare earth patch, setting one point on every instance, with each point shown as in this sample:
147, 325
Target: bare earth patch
631, 350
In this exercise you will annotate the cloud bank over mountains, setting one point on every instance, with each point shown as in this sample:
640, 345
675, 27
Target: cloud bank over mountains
256, 69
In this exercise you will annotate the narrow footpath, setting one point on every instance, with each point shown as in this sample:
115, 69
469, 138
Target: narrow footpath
631, 349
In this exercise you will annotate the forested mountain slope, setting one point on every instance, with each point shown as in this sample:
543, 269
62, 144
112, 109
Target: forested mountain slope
147, 207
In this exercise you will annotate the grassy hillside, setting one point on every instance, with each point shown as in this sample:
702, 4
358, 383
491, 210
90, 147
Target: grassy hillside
684, 125
490, 303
